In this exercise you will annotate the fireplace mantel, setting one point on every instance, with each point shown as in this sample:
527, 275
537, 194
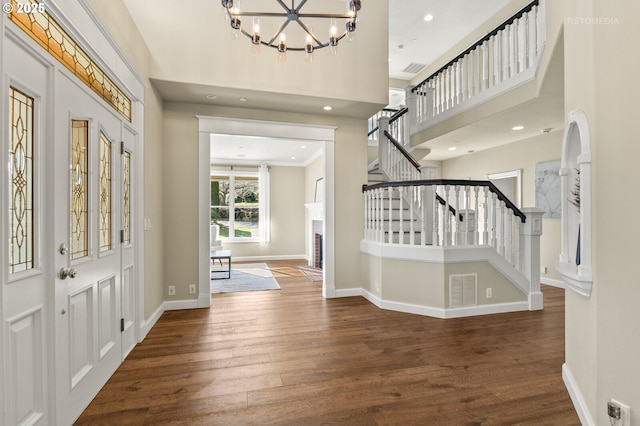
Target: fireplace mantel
316, 212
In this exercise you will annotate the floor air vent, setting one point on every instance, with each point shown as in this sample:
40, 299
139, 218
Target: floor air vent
463, 290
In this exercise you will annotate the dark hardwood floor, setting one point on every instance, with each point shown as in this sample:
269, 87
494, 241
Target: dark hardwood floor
291, 357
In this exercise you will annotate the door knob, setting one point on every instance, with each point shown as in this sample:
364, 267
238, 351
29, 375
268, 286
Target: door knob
67, 272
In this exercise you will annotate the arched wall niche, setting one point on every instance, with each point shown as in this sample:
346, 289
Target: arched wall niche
574, 264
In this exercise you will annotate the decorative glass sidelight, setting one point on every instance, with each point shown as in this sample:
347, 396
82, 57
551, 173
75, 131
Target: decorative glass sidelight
21, 245
126, 197
79, 189
105, 193
45, 31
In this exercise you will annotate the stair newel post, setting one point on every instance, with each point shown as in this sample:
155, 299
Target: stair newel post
416, 105
383, 144
366, 215
435, 239
530, 233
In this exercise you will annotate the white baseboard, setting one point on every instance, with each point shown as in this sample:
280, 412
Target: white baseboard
175, 305
262, 258
430, 311
576, 397
349, 292
153, 319
552, 282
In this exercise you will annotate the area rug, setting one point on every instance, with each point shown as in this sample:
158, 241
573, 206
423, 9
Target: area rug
245, 277
313, 274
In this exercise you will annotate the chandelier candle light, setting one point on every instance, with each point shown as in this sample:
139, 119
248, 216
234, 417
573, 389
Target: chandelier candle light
278, 40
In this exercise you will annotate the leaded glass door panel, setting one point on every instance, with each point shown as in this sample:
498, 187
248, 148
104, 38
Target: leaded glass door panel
88, 219
26, 277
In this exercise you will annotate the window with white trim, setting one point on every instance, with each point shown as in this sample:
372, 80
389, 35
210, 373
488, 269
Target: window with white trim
239, 204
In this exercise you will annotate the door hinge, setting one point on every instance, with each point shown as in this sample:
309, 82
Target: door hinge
121, 325
122, 147
121, 236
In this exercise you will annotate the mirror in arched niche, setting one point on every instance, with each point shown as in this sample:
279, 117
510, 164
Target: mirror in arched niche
574, 264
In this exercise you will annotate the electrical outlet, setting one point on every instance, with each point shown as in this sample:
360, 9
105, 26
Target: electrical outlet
543, 270
192, 289
489, 293
172, 290
625, 412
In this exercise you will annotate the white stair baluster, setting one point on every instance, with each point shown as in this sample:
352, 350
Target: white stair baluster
446, 218
494, 220
476, 233
412, 190
423, 214
436, 207
456, 220
502, 230
390, 216
401, 190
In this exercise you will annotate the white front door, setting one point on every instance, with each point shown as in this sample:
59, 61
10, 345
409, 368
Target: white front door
129, 207
88, 216
26, 235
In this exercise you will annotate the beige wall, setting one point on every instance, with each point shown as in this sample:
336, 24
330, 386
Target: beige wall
522, 155
602, 344
427, 284
180, 139
287, 217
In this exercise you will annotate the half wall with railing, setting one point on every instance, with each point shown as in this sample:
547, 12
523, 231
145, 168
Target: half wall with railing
506, 57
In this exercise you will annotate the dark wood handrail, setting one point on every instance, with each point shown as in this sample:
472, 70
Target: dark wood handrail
398, 114
454, 182
451, 208
404, 152
479, 42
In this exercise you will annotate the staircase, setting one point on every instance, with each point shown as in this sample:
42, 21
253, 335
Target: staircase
443, 247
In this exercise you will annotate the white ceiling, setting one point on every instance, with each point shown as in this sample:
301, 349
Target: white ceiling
411, 40
252, 150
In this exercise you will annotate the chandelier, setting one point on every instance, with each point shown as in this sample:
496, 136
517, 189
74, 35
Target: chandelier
278, 40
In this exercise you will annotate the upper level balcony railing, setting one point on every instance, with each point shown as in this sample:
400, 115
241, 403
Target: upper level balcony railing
503, 59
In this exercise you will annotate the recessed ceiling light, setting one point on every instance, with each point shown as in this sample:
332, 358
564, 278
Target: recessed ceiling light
212, 97
303, 147
428, 17
517, 128
453, 148
242, 155
293, 158
327, 108
243, 99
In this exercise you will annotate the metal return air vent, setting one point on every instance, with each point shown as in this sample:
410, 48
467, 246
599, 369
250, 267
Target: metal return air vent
463, 290
414, 68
